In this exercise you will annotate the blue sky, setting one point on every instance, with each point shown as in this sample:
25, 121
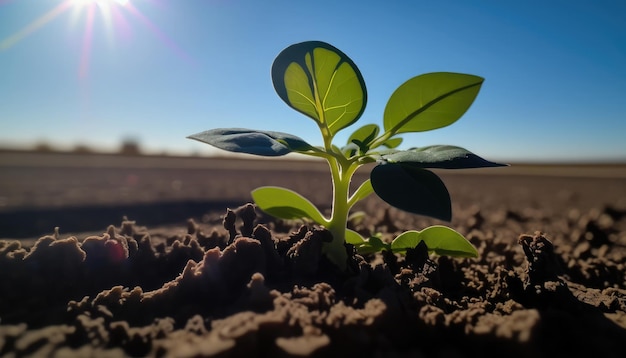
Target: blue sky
74, 72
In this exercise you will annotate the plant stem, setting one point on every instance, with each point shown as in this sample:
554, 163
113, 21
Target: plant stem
341, 171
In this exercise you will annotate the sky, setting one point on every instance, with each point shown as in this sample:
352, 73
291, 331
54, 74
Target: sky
94, 73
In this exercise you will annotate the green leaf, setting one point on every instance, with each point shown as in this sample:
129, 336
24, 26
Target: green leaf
354, 238
412, 189
363, 136
372, 245
241, 140
393, 143
286, 204
439, 239
440, 156
321, 82
377, 243
430, 101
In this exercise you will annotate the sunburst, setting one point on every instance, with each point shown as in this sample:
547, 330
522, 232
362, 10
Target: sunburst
109, 13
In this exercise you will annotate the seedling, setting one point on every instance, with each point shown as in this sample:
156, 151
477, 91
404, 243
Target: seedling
321, 82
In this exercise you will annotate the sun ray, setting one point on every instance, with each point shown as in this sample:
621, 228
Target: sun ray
121, 24
35, 25
159, 34
105, 12
87, 39
112, 15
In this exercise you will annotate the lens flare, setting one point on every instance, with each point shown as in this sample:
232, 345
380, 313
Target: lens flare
35, 25
112, 17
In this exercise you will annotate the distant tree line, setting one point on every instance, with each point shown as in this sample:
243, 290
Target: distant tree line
128, 147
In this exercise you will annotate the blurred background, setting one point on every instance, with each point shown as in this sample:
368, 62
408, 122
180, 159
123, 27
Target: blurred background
141, 75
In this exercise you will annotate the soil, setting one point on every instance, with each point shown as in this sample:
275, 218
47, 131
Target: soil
550, 279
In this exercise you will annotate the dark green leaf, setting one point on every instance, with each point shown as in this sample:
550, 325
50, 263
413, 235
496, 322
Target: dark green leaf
440, 156
430, 101
412, 189
240, 140
321, 82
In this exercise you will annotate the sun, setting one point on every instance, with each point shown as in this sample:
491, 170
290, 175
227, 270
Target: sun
110, 18
113, 15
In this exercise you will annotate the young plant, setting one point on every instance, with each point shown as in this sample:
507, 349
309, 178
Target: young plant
321, 82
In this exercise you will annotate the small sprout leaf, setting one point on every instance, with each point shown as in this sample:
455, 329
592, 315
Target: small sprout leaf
393, 143
354, 238
377, 243
430, 101
286, 204
363, 136
249, 141
439, 239
321, 82
372, 245
412, 189
366, 249
440, 156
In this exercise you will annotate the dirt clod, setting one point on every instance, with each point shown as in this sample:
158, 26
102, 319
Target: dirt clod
245, 290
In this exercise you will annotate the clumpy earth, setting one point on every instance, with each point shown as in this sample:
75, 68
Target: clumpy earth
260, 287
549, 280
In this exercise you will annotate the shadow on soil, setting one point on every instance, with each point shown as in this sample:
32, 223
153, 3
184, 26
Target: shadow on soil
27, 223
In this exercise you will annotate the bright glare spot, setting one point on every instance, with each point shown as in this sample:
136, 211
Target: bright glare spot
111, 16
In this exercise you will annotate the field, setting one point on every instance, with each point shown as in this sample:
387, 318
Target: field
550, 279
